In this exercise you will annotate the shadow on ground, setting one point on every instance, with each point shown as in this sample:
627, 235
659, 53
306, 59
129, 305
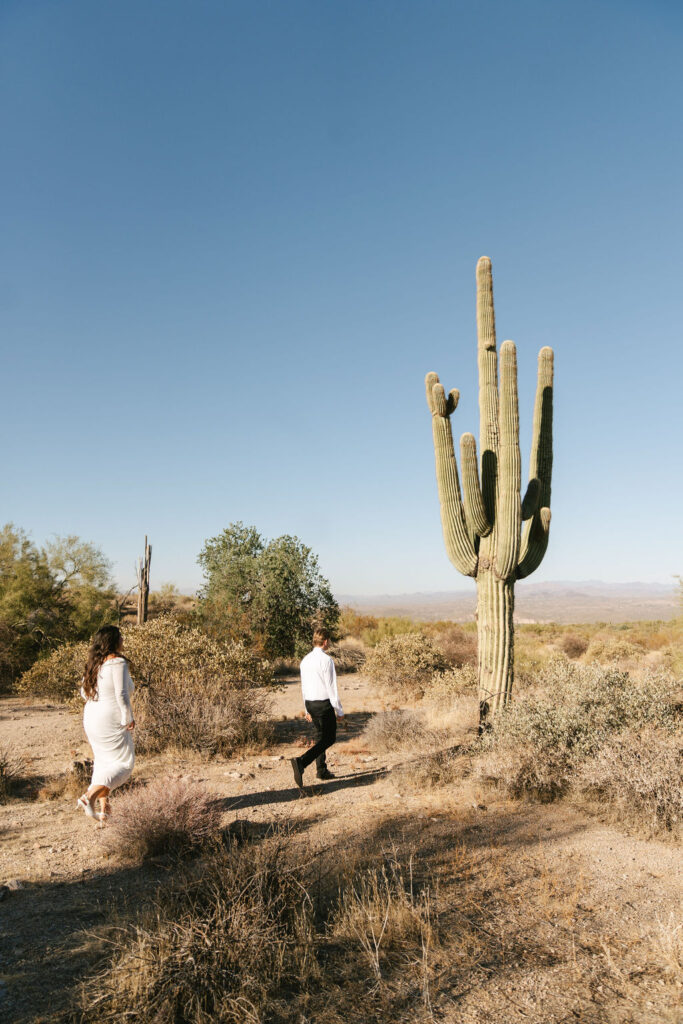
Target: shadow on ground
285, 796
298, 730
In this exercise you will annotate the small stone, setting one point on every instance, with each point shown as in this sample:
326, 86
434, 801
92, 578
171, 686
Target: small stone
13, 884
278, 757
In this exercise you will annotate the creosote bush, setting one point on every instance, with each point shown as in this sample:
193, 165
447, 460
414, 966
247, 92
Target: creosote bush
165, 816
405, 664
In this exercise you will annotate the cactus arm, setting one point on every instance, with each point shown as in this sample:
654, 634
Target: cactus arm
459, 546
531, 498
508, 501
535, 540
488, 385
475, 513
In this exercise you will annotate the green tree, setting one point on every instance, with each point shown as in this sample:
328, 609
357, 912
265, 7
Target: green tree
270, 594
47, 596
83, 586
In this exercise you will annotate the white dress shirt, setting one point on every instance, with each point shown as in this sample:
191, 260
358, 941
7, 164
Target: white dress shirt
319, 679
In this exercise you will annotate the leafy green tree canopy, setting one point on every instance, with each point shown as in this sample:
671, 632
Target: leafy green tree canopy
270, 594
58, 593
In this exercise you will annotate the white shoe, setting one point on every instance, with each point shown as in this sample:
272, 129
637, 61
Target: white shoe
84, 804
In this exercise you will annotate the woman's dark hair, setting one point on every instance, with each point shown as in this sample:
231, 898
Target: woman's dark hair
106, 641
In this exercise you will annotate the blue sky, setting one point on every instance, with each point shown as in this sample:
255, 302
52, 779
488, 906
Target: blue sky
236, 235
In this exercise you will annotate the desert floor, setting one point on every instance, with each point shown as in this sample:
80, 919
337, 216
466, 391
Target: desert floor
590, 914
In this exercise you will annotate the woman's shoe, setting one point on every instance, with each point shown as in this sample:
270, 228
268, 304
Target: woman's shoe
84, 804
103, 817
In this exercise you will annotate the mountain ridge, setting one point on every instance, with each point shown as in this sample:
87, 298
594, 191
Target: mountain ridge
555, 601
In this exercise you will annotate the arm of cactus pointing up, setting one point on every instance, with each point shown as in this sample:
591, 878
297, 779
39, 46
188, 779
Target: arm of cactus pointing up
459, 545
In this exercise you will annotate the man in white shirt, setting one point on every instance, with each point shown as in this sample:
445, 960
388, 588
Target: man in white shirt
321, 701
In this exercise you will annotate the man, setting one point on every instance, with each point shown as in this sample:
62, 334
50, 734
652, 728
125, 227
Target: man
321, 701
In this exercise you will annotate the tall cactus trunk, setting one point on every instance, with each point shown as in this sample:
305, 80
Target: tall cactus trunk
482, 525
496, 643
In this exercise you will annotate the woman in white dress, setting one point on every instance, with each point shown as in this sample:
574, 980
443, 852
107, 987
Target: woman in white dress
108, 719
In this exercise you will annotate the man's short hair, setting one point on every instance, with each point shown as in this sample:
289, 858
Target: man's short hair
320, 636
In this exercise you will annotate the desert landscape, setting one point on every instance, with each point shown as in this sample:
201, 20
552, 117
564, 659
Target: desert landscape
431, 880
283, 479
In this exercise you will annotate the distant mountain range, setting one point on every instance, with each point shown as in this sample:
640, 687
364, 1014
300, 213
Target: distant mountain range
591, 601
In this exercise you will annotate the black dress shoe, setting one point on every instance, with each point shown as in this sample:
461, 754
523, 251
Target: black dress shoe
325, 775
298, 777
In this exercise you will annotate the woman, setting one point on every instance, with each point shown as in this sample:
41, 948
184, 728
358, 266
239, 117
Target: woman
107, 719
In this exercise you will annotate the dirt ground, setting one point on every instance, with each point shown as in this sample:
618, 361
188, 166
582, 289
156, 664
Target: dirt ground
613, 898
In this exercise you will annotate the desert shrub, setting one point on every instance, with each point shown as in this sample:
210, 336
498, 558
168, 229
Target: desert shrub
58, 676
165, 816
387, 627
353, 624
608, 649
69, 783
163, 644
154, 649
453, 683
195, 710
405, 664
641, 773
12, 770
435, 769
574, 645
458, 646
348, 654
389, 730
537, 743
225, 944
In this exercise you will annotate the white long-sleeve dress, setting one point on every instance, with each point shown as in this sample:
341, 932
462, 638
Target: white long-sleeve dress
105, 718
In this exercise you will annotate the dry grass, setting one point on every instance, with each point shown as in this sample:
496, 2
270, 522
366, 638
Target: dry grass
246, 934
70, 783
389, 731
218, 946
12, 772
166, 816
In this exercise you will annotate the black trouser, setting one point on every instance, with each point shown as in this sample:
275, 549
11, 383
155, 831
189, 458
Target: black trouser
325, 722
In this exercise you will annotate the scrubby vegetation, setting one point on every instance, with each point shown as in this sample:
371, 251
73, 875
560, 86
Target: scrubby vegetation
48, 596
156, 649
167, 816
192, 692
12, 771
578, 719
405, 664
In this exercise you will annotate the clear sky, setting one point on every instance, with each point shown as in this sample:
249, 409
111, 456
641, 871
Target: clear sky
236, 235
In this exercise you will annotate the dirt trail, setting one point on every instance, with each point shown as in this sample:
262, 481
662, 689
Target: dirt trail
70, 886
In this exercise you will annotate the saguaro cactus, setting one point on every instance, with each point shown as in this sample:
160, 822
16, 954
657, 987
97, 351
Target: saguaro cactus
482, 527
